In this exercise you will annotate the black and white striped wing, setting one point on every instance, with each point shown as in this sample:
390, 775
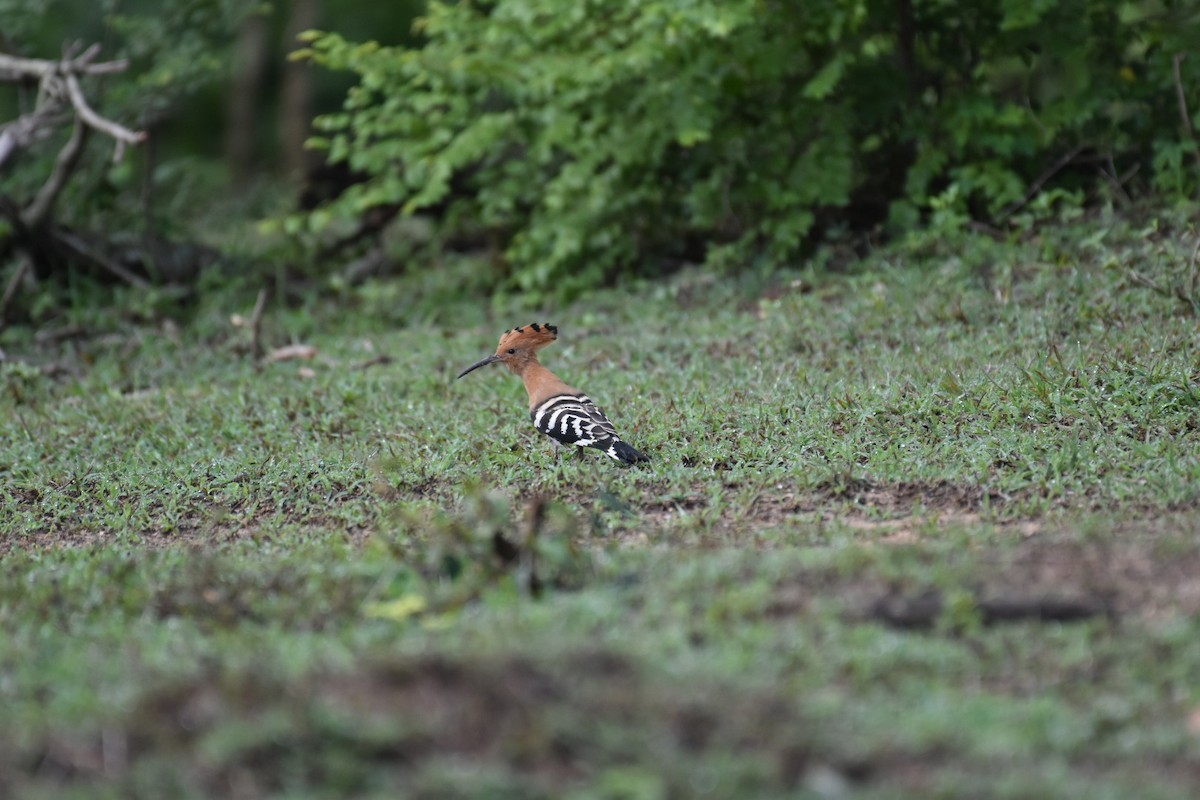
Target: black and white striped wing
575, 419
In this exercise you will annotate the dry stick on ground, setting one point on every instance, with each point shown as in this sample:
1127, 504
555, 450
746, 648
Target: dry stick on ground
1191, 298
1185, 294
1117, 181
256, 345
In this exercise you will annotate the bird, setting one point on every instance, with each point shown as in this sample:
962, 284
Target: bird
562, 412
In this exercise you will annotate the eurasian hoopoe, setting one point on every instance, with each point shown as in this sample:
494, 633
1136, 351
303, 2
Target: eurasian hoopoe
565, 414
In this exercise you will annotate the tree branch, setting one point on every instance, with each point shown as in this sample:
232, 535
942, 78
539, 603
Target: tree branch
68, 159
58, 83
10, 291
120, 133
14, 69
1183, 109
60, 97
27, 130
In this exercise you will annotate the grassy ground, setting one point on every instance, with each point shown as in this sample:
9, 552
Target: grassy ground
925, 528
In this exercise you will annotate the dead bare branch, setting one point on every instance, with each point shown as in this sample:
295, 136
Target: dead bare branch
10, 291
28, 129
58, 86
119, 133
14, 69
38, 211
60, 97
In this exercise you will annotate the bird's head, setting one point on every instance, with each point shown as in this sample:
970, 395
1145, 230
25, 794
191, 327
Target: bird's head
518, 347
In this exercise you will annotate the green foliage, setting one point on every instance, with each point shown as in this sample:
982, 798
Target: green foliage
601, 137
176, 49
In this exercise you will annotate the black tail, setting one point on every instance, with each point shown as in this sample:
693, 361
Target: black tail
626, 454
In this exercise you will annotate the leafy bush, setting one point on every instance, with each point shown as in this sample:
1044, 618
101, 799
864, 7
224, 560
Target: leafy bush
596, 137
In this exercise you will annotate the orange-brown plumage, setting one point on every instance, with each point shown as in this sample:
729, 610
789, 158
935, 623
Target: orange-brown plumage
560, 411
540, 382
524, 342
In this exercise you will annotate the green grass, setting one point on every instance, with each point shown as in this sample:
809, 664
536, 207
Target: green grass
221, 580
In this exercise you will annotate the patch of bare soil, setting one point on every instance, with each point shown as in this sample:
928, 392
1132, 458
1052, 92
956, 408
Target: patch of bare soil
905, 497
1139, 579
893, 512
1040, 579
207, 524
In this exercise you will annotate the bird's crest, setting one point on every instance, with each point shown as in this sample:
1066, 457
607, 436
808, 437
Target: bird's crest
533, 336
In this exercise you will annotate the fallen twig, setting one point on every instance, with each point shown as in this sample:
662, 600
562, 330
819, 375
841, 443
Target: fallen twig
291, 352
1117, 182
260, 305
375, 362
1185, 293
1147, 282
1191, 298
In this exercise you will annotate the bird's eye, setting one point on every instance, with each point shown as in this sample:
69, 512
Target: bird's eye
512, 351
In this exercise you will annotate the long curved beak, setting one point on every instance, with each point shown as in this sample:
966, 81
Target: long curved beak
489, 360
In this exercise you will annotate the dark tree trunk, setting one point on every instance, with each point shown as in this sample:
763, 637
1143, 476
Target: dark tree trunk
295, 112
245, 95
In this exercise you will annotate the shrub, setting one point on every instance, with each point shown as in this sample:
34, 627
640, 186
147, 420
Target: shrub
597, 137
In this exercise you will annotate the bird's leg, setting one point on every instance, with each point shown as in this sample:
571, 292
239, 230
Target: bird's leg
558, 460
